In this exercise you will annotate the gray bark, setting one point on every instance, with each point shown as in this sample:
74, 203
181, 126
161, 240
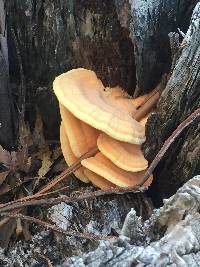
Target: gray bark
3, 32
169, 238
179, 99
100, 216
151, 22
57, 35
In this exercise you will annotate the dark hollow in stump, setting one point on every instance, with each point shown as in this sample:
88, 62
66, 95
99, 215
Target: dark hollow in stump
54, 36
7, 139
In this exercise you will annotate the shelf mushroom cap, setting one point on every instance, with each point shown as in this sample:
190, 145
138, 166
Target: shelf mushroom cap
82, 137
116, 91
82, 93
98, 180
143, 121
69, 156
139, 100
105, 168
121, 97
126, 156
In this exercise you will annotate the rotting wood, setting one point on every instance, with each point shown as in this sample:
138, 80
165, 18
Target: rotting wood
180, 98
191, 223
57, 36
6, 100
6, 119
169, 238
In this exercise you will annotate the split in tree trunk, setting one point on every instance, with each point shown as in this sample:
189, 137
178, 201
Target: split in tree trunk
179, 99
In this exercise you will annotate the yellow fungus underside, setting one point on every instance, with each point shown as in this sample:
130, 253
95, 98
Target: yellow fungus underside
126, 156
82, 137
69, 156
105, 168
98, 180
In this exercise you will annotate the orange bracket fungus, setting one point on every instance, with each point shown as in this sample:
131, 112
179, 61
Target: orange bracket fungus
126, 156
68, 154
93, 115
98, 180
82, 93
82, 137
105, 168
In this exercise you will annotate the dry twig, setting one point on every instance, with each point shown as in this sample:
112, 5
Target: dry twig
57, 179
45, 258
169, 141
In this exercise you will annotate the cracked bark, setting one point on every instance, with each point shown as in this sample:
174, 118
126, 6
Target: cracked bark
151, 23
179, 99
54, 36
169, 238
6, 122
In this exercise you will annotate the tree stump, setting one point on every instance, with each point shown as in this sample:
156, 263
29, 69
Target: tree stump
126, 43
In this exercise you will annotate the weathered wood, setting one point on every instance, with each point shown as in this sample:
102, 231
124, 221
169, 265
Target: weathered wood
151, 23
169, 237
6, 122
57, 35
6, 115
3, 32
179, 99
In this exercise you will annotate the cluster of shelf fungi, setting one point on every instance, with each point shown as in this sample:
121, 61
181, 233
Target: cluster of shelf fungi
170, 235
95, 116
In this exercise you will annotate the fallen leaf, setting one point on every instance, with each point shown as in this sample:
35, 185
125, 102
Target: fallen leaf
19, 228
26, 232
46, 163
19, 159
6, 232
38, 133
13, 160
3, 176
5, 188
5, 157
